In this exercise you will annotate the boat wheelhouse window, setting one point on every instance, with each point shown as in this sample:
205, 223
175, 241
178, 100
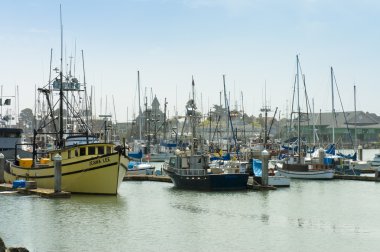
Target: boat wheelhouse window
172, 161
184, 163
82, 151
100, 150
108, 150
91, 150
76, 152
69, 154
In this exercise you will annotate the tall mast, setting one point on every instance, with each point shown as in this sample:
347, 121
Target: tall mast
140, 114
225, 105
242, 108
299, 110
85, 92
332, 102
193, 107
60, 142
356, 144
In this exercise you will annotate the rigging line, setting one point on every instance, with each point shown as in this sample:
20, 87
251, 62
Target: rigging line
344, 113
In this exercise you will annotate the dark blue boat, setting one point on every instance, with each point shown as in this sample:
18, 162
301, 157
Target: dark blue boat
189, 170
193, 172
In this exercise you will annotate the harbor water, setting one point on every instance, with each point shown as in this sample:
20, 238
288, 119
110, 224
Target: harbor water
335, 215
153, 216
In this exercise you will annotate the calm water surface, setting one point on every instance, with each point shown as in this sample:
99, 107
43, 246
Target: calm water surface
152, 216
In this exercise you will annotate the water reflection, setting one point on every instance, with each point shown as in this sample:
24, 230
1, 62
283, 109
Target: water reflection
145, 215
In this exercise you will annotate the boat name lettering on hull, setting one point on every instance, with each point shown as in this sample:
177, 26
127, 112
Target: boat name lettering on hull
94, 162
99, 161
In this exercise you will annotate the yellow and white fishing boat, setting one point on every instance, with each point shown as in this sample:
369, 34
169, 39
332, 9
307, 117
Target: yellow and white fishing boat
95, 168
88, 165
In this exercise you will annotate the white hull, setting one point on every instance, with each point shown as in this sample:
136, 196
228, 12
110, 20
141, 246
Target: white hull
141, 169
278, 181
149, 171
316, 174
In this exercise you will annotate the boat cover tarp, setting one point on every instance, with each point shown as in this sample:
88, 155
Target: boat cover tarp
136, 155
349, 156
257, 167
331, 149
226, 156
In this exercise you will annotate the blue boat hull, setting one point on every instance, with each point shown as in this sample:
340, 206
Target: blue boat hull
210, 182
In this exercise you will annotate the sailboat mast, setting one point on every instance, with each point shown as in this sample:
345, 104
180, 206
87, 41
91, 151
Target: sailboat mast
140, 115
85, 93
332, 103
225, 104
356, 144
299, 110
242, 108
60, 142
193, 108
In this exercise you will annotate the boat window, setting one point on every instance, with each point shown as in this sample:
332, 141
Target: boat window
76, 152
172, 161
82, 151
91, 150
108, 150
69, 154
101, 150
184, 163
52, 157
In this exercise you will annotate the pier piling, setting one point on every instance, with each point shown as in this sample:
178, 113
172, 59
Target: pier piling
2, 166
265, 159
57, 173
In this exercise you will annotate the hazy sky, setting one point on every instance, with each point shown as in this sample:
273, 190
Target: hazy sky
252, 42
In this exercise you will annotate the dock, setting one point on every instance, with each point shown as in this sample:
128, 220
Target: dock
42, 192
143, 177
252, 184
358, 178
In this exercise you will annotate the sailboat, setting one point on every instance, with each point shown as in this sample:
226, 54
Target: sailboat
137, 166
190, 169
295, 165
92, 167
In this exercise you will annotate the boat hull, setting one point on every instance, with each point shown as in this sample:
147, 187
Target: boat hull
93, 175
310, 174
209, 182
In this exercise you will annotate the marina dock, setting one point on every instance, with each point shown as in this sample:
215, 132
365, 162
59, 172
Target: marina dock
358, 178
43, 192
144, 177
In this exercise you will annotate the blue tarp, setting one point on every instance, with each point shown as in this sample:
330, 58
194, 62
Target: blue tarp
136, 155
227, 156
331, 149
349, 156
257, 167
328, 161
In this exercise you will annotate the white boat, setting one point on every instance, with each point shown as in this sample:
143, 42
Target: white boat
375, 162
278, 181
295, 166
140, 168
274, 178
309, 174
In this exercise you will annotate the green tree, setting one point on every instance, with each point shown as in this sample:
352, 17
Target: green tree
26, 116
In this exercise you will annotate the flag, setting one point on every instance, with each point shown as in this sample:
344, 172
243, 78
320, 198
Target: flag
7, 102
